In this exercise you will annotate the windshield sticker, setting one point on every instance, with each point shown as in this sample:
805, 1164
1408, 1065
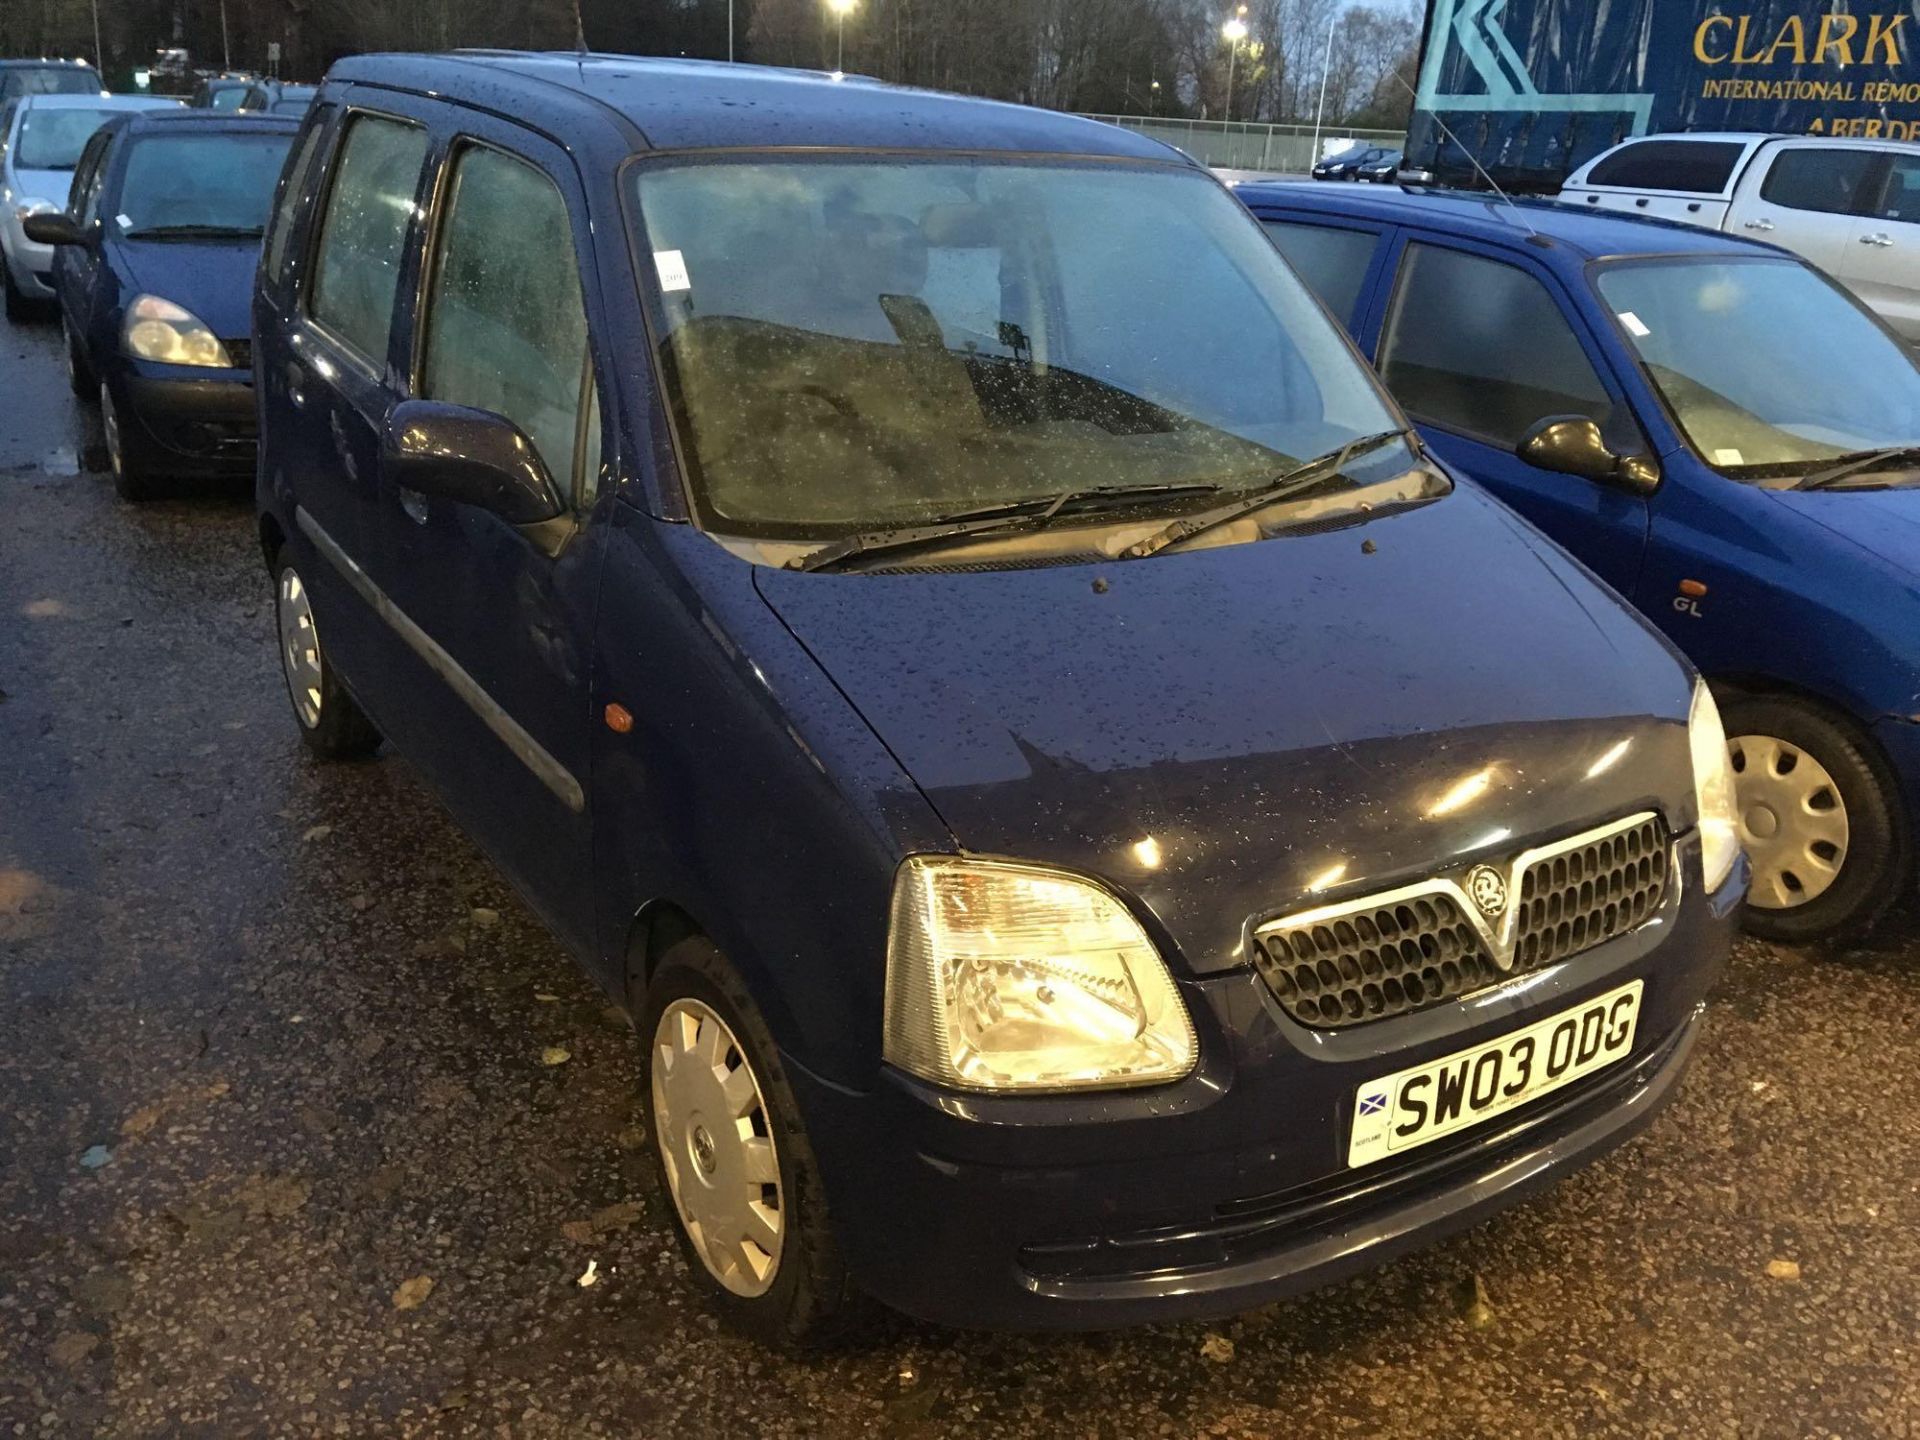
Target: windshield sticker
1636, 327
1728, 456
125, 222
672, 266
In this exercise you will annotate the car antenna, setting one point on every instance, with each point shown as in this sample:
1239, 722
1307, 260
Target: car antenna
1474, 160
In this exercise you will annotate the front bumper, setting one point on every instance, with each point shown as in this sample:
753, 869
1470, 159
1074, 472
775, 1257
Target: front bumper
1230, 1190
188, 420
1900, 742
30, 265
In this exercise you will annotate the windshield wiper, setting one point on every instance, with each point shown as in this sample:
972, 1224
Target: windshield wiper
1301, 478
1012, 518
1853, 464
196, 232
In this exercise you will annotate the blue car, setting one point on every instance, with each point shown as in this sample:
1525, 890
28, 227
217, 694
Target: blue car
158, 246
1723, 435
927, 606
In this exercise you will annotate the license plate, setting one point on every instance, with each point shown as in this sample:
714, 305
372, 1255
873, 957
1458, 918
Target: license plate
1416, 1106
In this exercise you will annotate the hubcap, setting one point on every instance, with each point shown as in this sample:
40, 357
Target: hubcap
716, 1145
1793, 823
110, 424
299, 648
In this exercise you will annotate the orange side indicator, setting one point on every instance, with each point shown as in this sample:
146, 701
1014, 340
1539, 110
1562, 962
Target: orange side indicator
619, 719
1694, 588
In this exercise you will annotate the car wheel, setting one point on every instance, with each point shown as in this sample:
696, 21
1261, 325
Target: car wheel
18, 308
748, 1204
1819, 819
78, 378
133, 479
331, 723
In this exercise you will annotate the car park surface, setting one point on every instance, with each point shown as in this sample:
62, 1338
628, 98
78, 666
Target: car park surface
466, 555
1785, 569
157, 249
306, 1021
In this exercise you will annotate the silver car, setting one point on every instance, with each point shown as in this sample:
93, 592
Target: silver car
41, 136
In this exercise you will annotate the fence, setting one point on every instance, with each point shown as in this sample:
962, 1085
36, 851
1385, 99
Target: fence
1244, 145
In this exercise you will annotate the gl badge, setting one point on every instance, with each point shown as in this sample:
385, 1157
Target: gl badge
1488, 889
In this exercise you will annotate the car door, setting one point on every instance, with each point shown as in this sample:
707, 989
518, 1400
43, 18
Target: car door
76, 267
1808, 196
327, 365
1338, 258
1883, 256
1478, 345
503, 327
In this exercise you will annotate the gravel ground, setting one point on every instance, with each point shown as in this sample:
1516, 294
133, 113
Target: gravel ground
280, 1153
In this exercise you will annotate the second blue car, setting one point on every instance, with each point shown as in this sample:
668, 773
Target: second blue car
159, 243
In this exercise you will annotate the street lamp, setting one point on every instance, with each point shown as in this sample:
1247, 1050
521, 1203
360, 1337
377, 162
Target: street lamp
1153, 97
1235, 30
840, 9
1326, 69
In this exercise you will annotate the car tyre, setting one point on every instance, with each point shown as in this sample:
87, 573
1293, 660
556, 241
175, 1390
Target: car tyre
331, 723
698, 1013
133, 477
19, 308
79, 378
1820, 819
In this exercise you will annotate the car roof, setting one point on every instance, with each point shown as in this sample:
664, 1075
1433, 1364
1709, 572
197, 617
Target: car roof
149, 122
129, 103
1586, 234
22, 62
703, 104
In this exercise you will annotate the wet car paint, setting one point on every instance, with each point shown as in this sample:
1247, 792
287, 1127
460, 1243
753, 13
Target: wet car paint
1020, 712
317, 1075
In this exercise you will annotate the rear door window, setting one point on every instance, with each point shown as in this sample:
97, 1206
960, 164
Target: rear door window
1819, 178
1700, 166
505, 328
1900, 197
295, 182
363, 234
1480, 346
1332, 260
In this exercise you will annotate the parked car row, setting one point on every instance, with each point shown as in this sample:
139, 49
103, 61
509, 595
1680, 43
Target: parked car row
1101, 809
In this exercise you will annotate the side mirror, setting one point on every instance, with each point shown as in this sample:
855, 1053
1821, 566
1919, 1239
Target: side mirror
474, 457
52, 227
1573, 445
1413, 175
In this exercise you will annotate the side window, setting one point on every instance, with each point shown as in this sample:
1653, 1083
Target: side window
1331, 260
364, 231
1817, 178
1900, 200
505, 328
83, 199
294, 182
1481, 346
7, 112
1702, 166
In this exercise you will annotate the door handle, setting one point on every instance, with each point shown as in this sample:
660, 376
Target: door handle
1876, 239
1761, 224
296, 393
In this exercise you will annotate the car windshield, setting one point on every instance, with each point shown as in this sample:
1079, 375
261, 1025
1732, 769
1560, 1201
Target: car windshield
200, 183
1767, 366
48, 80
53, 139
850, 343
291, 102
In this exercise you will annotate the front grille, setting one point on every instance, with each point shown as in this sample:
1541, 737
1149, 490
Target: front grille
1427, 944
1584, 896
1378, 961
240, 352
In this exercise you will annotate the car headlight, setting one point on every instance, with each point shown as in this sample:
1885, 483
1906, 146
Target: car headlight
33, 205
1003, 976
1713, 790
157, 329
